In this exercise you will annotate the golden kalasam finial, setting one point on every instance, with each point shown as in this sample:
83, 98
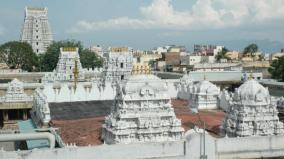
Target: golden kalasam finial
148, 69
76, 73
134, 70
141, 69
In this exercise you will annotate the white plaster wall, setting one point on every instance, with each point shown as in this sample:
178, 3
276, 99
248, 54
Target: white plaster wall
122, 151
216, 76
96, 92
190, 148
250, 147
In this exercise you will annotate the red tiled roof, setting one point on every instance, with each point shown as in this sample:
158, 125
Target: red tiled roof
87, 131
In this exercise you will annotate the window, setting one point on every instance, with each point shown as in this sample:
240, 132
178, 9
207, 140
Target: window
122, 77
37, 36
36, 43
121, 65
37, 50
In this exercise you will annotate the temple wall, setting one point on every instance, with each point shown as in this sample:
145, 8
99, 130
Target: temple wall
96, 92
29, 88
216, 148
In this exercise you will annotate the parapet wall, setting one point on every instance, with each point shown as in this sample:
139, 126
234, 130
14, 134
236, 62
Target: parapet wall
190, 148
90, 91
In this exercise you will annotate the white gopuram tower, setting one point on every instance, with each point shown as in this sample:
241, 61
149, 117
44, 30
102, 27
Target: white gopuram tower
253, 112
69, 64
142, 111
36, 30
118, 64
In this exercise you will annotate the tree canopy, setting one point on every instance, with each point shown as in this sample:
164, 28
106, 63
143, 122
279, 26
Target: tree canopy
222, 54
18, 55
89, 59
277, 69
250, 50
49, 60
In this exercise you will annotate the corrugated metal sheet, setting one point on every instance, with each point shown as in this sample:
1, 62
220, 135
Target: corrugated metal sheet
28, 126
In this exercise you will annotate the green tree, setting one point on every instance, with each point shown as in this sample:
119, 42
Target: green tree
89, 59
49, 60
277, 69
250, 50
18, 55
222, 54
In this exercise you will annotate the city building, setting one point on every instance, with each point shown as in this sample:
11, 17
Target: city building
257, 66
218, 67
233, 55
36, 29
173, 61
118, 64
207, 50
274, 56
142, 111
253, 112
160, 50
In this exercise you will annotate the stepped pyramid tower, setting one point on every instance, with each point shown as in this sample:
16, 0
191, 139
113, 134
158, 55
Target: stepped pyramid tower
118, 64
142, 111
69, 66
253, 112
36, 30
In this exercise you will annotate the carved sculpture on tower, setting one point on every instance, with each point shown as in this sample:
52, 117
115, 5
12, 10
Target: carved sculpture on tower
204, 95
68, 68
117, 64
36, 30
15, 92
185, 87
253, 112
142, 111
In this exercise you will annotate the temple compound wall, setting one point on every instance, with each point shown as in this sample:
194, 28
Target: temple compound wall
188, 148
88, 91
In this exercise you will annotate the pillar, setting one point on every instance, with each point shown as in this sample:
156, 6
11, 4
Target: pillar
25, 115
5, 115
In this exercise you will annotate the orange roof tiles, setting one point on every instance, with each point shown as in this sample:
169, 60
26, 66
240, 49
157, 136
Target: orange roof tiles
87, 131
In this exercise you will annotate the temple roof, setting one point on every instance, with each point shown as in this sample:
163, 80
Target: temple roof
251, 92
206, 87
136, 82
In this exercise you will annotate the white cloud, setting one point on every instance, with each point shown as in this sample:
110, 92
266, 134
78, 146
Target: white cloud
204, 14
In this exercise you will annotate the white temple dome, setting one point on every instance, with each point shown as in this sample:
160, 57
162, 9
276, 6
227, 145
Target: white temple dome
206, 87
136, 82
251, 92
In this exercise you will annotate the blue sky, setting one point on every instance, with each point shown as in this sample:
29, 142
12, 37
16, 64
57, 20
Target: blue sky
144, 24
